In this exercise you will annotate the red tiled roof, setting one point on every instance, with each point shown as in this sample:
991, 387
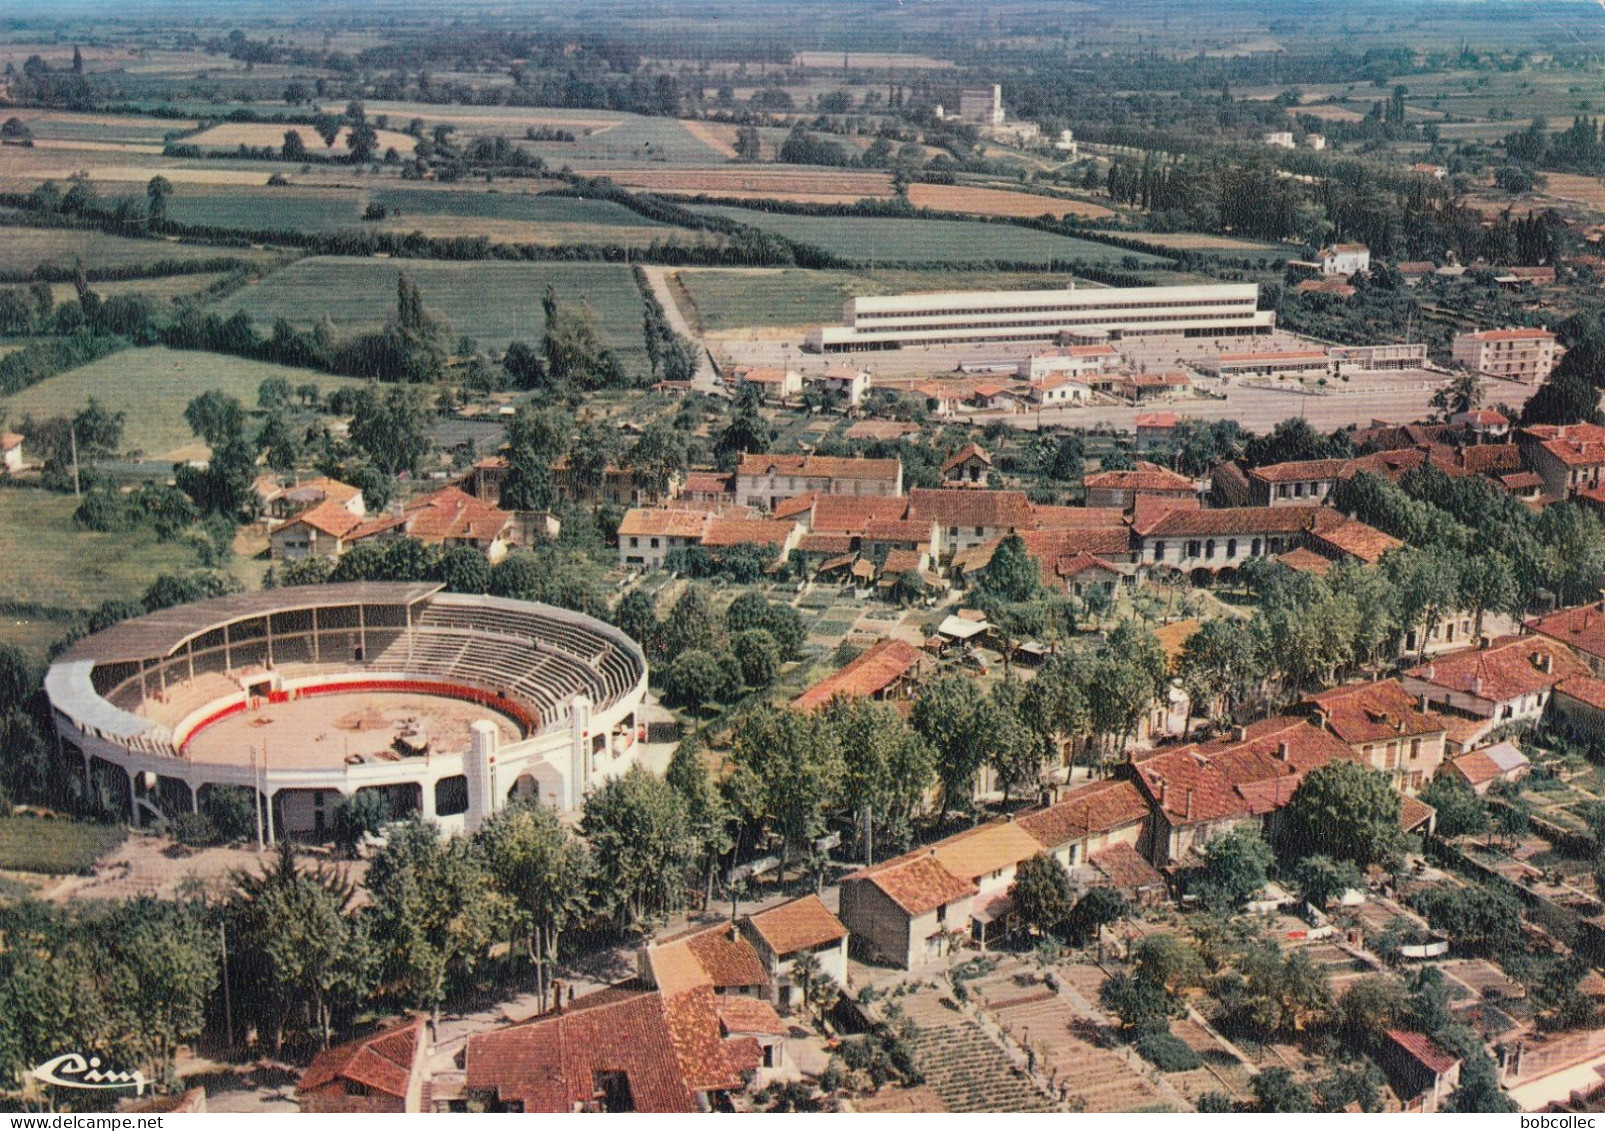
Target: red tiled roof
994, 509
728, 960
1145, 476
1413, 813
1582, 628
1304, 560
1346, 535
910, 531
741, 1014
1299, 470
1077, 564
663, 522
450, 513
1585, 689
9, 440
1510, 667
1158, 420
796, 505
746, 532
708, 483
1185, 521
802, 924
848, 514
1372, 712
819, 467
1045, 517
967, 452
666, 1052
1230, 777
826, 543
1426, 1052
1097, 807
1511, 335
382, 1061
867, 674
328, 517
1126, 869
917, 883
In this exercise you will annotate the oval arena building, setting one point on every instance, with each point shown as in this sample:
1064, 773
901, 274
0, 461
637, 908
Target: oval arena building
447, 704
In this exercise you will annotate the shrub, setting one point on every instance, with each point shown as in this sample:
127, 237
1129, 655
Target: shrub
194, 830
1167, 1052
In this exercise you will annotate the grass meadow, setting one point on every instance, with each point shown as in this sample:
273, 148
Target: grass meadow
152, 386
875, 239
55, 847
493, 302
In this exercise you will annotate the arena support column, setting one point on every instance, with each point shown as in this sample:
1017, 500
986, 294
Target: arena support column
480, 768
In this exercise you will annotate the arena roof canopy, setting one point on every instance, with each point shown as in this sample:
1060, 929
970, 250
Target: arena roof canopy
164, 631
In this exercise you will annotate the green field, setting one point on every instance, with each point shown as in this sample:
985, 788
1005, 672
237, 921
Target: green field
163, 288
731, 299
23, 249
493, 302
51, 562
511, 206
55, 847
874, 239
152, 386
264, 207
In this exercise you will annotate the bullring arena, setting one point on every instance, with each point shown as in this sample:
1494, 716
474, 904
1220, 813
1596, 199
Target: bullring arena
447, 704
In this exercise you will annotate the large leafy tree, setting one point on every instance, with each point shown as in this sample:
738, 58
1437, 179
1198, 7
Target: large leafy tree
543, 870
1345, 811
1236, 865
798, 758
299, 954
887, 769
435, 911
950, 714
1042, 894
641, 845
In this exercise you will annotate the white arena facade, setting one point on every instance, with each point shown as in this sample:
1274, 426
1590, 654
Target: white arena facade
956, 317
448, 704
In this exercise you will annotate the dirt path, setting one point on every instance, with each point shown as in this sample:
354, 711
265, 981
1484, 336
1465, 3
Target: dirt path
705, 379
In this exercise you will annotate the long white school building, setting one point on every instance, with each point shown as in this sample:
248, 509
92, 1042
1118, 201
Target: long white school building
893, 321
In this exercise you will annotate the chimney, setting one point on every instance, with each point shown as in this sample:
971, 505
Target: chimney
1164, 788
1281, 751
1242, 734
1476, 685
1189, 804
557, 995
1547, 662
1424, 703
1485, 642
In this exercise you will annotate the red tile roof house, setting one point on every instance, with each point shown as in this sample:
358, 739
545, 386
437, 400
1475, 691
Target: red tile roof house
1421, 1072
11, 459
1579, 705
1154, 429
1208, 541
1482, 769
319, 532
617, 1050
1511, 680
448, 517
1568, 457
382, 1072
764, 480
1198, 791
1386, 726
906, 912
781, 935
969, 518
1087, 820
1121, 489
970, 466
1294, 484
1580, 628
890, 670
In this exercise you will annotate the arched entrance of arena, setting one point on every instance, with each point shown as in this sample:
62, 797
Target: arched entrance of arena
542, 782
1202, 578
236, 811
